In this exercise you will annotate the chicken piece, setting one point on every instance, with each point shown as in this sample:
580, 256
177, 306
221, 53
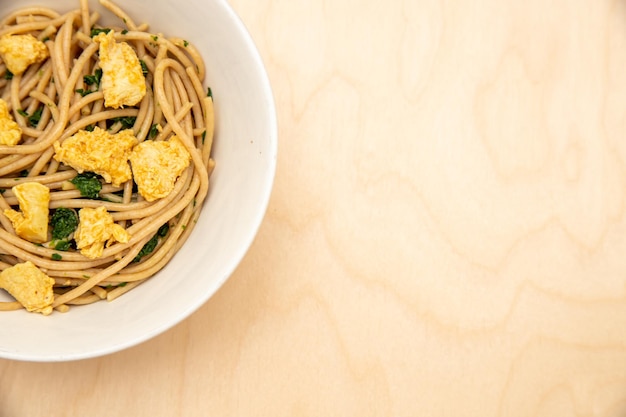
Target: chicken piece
10, 131
20, 51
95, 229
98, 152
29, 286
157, 165
32, 223
123, 83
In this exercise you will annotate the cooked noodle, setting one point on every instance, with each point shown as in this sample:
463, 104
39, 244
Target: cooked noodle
176, 103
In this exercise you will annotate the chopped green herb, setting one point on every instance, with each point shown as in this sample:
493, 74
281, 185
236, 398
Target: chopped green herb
64, 222
209, 92
127, 122
203, 136
93, 79
46, 39
88, 184
184, 226
151, 245
8, 75
83, 92
155, 38
56, 257
35, 117
86, 276
62, 245
154, 131
90, 128
144, 67
97, 31
23, 173
163, 230
148, 248
22, 112
122, 284
185, 43
125, 31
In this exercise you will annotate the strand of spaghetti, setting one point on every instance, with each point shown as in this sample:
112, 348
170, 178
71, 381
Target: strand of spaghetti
30, 79
115, 208
40, 255
34, 26
29, 11
195, 83
22, 161
66, 43
193, 53
142, 124
9, 159
100, 276
58, 127
83, 300
84, 13
119, 291
6, 223
100, 292
45, 34
167, 129
41, 162
207, 141
48, 102
43, 179
10, 305
55, 71
62, 71
180, 88
170, 117
94, 118
85, 101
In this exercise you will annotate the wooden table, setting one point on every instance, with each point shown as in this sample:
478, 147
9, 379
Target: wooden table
446, 235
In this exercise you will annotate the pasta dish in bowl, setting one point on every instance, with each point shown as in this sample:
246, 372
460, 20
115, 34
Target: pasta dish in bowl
126, 194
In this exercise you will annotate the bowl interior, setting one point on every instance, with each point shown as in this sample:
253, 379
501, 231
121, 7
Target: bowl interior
245, 153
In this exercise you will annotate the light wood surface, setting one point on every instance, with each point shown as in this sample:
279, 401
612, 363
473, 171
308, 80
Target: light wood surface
446, 235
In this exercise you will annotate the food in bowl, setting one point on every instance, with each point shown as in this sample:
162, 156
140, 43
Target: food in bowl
105, 154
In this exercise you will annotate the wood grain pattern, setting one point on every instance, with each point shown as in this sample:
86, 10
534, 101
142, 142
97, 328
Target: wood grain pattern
446, 236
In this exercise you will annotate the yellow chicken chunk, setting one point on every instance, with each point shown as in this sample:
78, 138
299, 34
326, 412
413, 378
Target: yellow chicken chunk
95, 229
32, 223
157, 165
98, 152
29, 286
10, 131
123, 83
20, 51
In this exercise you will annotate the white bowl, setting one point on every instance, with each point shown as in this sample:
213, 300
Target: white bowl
245, 151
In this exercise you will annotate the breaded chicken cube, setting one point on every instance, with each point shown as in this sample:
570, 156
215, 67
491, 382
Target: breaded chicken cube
95, 229
157, 165
29, 286
100, 152
10, 131
123, 83
32, 222
20, 51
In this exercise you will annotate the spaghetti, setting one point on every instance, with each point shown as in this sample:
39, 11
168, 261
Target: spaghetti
61, 95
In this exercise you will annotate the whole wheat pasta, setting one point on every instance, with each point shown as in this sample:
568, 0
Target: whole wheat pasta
60, 96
